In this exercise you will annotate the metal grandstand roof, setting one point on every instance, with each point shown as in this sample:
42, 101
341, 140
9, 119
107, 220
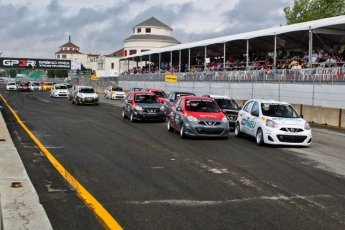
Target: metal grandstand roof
328, 31
152, 37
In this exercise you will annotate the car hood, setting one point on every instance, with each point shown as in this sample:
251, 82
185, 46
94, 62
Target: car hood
88, 94
207, 115
119, 92
149, 105
288, 121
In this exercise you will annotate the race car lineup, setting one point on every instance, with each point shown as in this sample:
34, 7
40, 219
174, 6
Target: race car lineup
268, 121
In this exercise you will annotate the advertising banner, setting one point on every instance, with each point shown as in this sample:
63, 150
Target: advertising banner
35, 63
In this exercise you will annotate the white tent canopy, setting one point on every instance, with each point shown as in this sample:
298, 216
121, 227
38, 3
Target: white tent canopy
111, 73
326, 31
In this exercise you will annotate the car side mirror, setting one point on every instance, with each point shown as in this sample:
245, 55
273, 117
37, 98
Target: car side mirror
255, 113
301, 115
179, 109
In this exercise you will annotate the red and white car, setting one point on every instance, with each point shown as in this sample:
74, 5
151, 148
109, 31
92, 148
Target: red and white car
198, 117
160, 93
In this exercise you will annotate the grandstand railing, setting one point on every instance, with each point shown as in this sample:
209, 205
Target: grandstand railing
312, 75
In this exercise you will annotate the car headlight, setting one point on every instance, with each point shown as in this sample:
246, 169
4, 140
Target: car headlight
306, 126
138, 108
271, 124
80, 95
162, 108
192, 118
225, 119
96, 97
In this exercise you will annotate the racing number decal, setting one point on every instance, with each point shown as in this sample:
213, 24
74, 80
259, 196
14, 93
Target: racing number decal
22, 63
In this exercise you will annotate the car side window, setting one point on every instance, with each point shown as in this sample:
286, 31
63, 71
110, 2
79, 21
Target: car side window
129, 97
177, 102
248, 106
181, 103
255, 107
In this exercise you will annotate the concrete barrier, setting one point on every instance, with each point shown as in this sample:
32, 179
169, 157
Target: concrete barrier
19, 205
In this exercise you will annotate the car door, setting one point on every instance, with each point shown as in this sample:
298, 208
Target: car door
244, 116
128, 104
253, 122
178, 108
173, 112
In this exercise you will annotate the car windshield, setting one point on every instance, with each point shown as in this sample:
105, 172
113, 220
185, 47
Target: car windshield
279, 110
48, 83
11, 83
177, 95
160, 93
24, 84
86, 90
61, 87
117, 89
201, 106
224, 103
35, 84
145, 98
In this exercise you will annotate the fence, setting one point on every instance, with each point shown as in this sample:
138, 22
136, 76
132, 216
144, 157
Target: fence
315, 75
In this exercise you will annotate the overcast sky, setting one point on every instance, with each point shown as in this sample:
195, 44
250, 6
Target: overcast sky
37, 28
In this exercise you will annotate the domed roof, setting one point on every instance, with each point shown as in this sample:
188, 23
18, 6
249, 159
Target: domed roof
153, 22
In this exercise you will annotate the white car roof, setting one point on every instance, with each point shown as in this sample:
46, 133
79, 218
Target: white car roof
219, 97
269, 101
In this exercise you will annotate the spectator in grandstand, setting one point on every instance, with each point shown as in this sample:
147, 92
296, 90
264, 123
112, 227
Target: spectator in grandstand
321, 53
340, 56
314, 57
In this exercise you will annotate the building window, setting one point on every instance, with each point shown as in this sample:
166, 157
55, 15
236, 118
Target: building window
148, 30
144, 50
58, 56
112, 65
133, 31
125, 54
131, 52
139, 30
64, 56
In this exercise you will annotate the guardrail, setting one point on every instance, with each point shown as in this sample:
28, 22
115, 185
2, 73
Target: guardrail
315, 75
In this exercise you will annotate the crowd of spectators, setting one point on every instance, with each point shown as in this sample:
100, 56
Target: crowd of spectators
256, 61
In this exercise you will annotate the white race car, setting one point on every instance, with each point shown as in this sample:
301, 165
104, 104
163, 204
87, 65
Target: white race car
273, 122
114, 92
11, 86
59, 90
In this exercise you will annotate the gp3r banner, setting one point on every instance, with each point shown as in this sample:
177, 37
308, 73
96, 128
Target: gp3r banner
34, 63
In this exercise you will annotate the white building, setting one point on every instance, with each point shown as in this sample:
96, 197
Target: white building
149, 35
146, 36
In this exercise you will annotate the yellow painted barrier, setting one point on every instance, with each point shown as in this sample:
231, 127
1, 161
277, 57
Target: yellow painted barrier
94, 78
170, 78
106, 219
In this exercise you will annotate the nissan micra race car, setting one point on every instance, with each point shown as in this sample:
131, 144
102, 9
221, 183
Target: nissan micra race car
273, 122
143, 106
199, 117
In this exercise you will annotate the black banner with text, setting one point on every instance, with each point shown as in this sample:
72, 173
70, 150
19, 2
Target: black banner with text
34, 63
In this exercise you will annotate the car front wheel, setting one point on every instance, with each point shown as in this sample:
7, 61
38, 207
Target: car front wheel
131, 117
182, 131
123, 114
259, 137
170, 129
238, 132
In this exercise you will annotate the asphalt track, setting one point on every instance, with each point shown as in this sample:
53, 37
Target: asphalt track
147, 178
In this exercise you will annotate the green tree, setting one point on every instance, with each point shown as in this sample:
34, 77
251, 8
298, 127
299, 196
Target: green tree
57, 73
13, 73
308, 10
